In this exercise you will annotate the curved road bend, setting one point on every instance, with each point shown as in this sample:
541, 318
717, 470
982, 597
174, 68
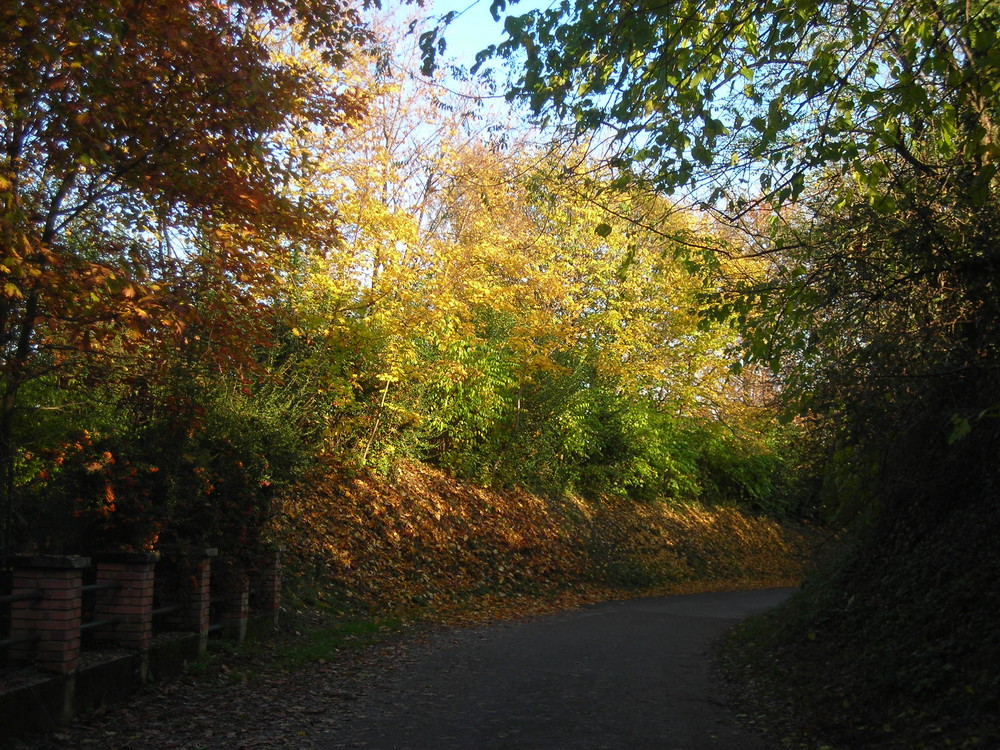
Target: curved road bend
625, 675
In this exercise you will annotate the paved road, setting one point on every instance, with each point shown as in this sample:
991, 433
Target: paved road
625, 675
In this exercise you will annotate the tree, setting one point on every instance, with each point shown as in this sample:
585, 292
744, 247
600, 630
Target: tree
584, 362
366, 306
735, 98
853, 147
867, 132
485, 311
139, 141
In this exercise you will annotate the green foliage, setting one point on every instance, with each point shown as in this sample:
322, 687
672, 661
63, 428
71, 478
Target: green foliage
140, 192
884, 328
746, 468
759, 97
188, 465
568, 430
558, 343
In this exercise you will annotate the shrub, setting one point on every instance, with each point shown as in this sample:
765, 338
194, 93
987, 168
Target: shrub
199, 468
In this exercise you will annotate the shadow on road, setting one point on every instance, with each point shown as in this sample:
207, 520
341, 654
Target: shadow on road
632, 674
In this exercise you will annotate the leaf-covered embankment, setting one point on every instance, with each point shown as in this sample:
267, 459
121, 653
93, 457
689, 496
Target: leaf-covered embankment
423, 538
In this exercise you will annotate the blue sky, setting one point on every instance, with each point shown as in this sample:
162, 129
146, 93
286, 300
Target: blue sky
475, 28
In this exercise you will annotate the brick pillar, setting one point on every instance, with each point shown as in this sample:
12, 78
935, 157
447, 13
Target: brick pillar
267, 584
56, 616
130, 602
234, 586
195, 574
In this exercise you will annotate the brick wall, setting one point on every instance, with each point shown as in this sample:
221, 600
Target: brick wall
55, 616
130, 602
123, 608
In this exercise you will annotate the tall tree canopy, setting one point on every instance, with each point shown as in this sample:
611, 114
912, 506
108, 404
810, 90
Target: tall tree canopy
855, 146
474, 317
741, 97
139, 167
855, 143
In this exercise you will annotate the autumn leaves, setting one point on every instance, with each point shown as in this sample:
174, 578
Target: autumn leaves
235, 246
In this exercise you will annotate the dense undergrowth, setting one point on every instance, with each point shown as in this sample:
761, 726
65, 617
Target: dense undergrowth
895, 645
423, 539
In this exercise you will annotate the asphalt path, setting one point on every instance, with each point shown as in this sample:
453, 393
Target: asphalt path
626, 675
